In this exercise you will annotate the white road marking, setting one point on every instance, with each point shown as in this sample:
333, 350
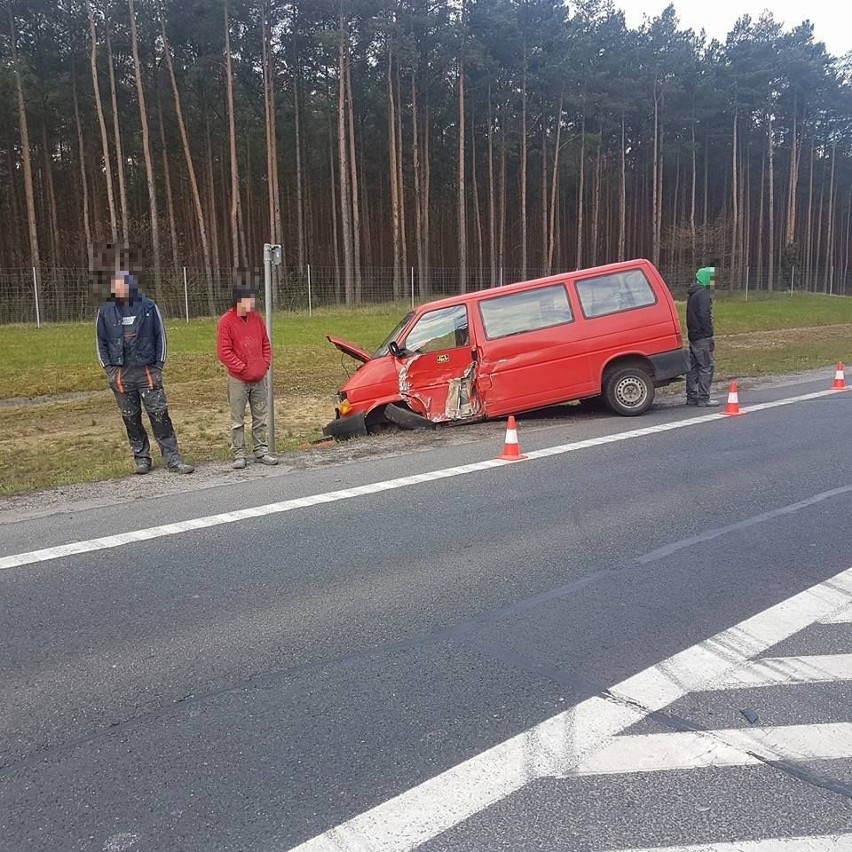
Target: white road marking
785, 671
817, 843
731, 747
842, 616
561, 743
118, 540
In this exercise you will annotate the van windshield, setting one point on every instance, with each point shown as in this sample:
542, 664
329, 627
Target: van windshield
383, 349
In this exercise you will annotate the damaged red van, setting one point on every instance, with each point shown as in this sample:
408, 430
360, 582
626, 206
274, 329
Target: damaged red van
610, 332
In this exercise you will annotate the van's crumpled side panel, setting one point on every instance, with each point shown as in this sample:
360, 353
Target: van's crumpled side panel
461, 403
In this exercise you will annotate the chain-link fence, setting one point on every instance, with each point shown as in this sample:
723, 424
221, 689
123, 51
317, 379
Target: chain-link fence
71, 295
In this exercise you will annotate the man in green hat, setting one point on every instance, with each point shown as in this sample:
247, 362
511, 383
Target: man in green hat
699, 327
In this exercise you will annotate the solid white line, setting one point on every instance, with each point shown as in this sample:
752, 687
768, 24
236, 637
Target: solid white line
786, 671
816, 843
557, 745
725, 748
118, 540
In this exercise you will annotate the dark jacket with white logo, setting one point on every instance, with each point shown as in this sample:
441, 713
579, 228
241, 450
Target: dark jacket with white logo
699, 313
150, 344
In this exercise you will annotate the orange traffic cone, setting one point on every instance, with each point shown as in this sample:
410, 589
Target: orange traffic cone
839, 378
511, 449
732, 409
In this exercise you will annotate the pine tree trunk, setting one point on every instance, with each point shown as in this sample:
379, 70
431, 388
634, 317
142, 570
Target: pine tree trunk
93, 57
418, 186
301, 242
622, 198
167, 179
212, 215
492, 245
26, 153
790, 235
771, 223
146, 148
84, 181
343, 158
543, 194
400, 161
830, 251
237, 238
334, 227
596, 205
354, 187
477, 215
462, 217
501, 242
809, 254
393, 182
119, 152
524, 169
693, 195
55, 244
554, 188
735, 212
581, 192
193, 180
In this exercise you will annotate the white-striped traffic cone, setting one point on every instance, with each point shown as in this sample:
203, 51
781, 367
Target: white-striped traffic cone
511, 449
839, 378
732, 409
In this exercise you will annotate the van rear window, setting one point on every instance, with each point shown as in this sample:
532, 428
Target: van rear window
611, 294
529, 310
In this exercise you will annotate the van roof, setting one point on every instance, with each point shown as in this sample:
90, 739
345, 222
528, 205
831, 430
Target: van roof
491, 292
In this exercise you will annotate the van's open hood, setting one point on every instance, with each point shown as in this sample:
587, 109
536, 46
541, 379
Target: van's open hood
351, 349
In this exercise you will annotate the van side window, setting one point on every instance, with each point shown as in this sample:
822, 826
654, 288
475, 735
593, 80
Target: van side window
526, 311
446, 328
610, 294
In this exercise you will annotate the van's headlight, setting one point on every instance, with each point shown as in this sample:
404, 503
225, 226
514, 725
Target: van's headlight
344, 407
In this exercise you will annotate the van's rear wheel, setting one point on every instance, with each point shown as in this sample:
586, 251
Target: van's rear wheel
629, 391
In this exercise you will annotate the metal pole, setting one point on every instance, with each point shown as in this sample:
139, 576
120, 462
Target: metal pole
310, 297
185, 294
35, 291
267, 295
412, 287
747, 271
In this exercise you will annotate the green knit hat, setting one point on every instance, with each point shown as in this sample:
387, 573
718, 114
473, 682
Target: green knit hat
706, 275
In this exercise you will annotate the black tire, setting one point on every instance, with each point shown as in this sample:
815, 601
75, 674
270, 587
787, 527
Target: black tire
405, 418
629, 391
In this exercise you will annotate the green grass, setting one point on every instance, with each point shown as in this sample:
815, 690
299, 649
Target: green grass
81, 438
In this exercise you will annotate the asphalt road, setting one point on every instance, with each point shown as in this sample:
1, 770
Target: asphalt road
258, 683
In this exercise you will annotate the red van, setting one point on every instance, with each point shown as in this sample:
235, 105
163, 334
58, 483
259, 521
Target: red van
610, 332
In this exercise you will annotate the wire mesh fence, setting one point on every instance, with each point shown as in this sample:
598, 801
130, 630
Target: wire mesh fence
71, 295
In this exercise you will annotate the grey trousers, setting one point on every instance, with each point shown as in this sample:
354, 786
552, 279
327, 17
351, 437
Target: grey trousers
702, 365
135, 388
252, 394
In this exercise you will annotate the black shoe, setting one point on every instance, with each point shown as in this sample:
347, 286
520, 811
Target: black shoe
143, 467
709, 403
181, 467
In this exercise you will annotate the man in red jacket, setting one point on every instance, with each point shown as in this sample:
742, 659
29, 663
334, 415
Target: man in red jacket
242, 345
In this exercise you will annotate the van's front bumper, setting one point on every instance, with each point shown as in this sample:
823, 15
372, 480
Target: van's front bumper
346, 427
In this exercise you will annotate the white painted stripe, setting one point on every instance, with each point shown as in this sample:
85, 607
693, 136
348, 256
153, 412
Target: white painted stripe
732, 747
842, 616
785, 671
107, 542
816, 843
559, 744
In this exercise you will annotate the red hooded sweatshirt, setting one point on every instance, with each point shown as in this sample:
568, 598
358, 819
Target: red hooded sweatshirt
242, 345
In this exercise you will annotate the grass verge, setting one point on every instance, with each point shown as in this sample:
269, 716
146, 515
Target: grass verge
59, 424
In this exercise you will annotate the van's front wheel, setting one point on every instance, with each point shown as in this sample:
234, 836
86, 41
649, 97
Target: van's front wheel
629, 391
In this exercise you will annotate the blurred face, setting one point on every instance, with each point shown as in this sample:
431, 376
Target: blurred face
245, 306
120, 288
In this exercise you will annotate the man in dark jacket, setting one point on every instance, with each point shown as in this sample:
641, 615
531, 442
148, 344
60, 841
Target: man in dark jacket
132, 350
242, 345
699, 326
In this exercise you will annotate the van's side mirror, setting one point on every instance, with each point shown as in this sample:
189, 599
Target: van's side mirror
393, 348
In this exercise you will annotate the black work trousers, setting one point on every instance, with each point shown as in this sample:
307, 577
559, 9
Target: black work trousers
702, 365
135, 387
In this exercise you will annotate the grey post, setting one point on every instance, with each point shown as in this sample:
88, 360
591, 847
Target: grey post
271, 257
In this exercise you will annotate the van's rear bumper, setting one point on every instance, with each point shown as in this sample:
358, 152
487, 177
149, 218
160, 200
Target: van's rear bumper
669, 365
